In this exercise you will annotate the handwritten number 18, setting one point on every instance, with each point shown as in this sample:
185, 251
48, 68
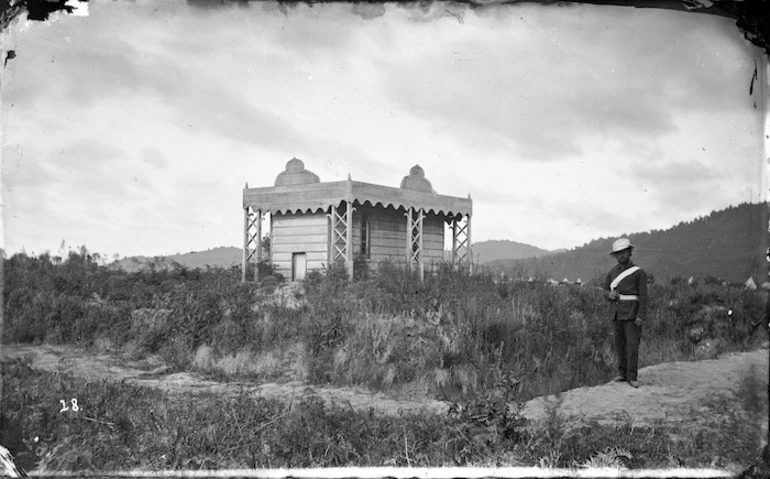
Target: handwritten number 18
64, 406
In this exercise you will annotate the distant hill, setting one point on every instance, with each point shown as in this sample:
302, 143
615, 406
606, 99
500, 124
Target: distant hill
227, 256
492, 250
224, 256
729, 244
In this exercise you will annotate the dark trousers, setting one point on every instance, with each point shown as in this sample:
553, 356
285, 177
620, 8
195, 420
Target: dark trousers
627, 337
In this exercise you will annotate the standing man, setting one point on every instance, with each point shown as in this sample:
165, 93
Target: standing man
626, 290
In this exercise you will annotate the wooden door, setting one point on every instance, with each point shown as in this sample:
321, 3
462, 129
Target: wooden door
298, 266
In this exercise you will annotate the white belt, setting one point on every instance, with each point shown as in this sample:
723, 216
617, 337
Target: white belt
628, 297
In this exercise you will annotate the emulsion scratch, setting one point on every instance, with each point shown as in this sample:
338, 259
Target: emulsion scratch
457, 16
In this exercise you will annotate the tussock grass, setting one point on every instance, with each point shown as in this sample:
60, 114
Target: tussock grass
660, 351
248, 363
124, 427
448, 336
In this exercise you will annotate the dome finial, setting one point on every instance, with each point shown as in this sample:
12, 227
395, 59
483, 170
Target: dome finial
416, 181
296, 174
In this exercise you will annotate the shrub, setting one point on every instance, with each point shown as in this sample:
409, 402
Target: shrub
386, 330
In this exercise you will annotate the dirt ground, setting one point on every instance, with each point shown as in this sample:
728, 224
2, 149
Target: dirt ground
671, 391
152, 372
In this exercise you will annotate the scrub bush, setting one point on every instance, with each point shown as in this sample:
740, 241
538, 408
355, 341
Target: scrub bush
446, 336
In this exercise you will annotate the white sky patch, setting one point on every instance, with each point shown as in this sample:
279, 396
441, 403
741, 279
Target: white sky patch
80, 9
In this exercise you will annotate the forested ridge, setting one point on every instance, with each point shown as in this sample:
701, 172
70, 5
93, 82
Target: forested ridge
729, 245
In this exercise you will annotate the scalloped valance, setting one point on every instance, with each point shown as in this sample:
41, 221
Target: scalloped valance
312, 197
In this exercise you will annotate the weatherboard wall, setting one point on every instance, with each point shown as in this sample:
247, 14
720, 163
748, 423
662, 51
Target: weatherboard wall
299, 233
388, 235
309, 233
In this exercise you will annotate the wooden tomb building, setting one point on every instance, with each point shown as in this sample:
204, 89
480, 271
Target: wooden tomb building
315, 224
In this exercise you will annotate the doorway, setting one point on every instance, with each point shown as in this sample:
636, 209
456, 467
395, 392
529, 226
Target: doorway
298, 266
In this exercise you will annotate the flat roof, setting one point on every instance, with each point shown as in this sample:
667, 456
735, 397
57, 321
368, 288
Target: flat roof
311, 197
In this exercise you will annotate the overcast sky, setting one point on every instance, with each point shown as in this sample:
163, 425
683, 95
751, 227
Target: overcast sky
132, 130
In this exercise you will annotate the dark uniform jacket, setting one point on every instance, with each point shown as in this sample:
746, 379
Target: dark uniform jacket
634, 284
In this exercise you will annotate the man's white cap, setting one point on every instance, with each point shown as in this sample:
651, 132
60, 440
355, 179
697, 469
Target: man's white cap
620, 245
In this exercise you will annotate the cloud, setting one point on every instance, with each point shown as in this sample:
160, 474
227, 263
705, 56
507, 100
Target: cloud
589, 218
153, 156
99, 65
689, 185
528, 90
493, 196
81, 176
94, 169
21, 170
671, 173
91, 65
154, 115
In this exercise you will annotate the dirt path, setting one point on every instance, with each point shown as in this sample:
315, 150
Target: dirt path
671, 391
154, 374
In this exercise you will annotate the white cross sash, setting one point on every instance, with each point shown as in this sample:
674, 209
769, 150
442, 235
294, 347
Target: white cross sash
622, 276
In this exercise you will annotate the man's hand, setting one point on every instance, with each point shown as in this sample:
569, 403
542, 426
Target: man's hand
614, 295
638, 321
